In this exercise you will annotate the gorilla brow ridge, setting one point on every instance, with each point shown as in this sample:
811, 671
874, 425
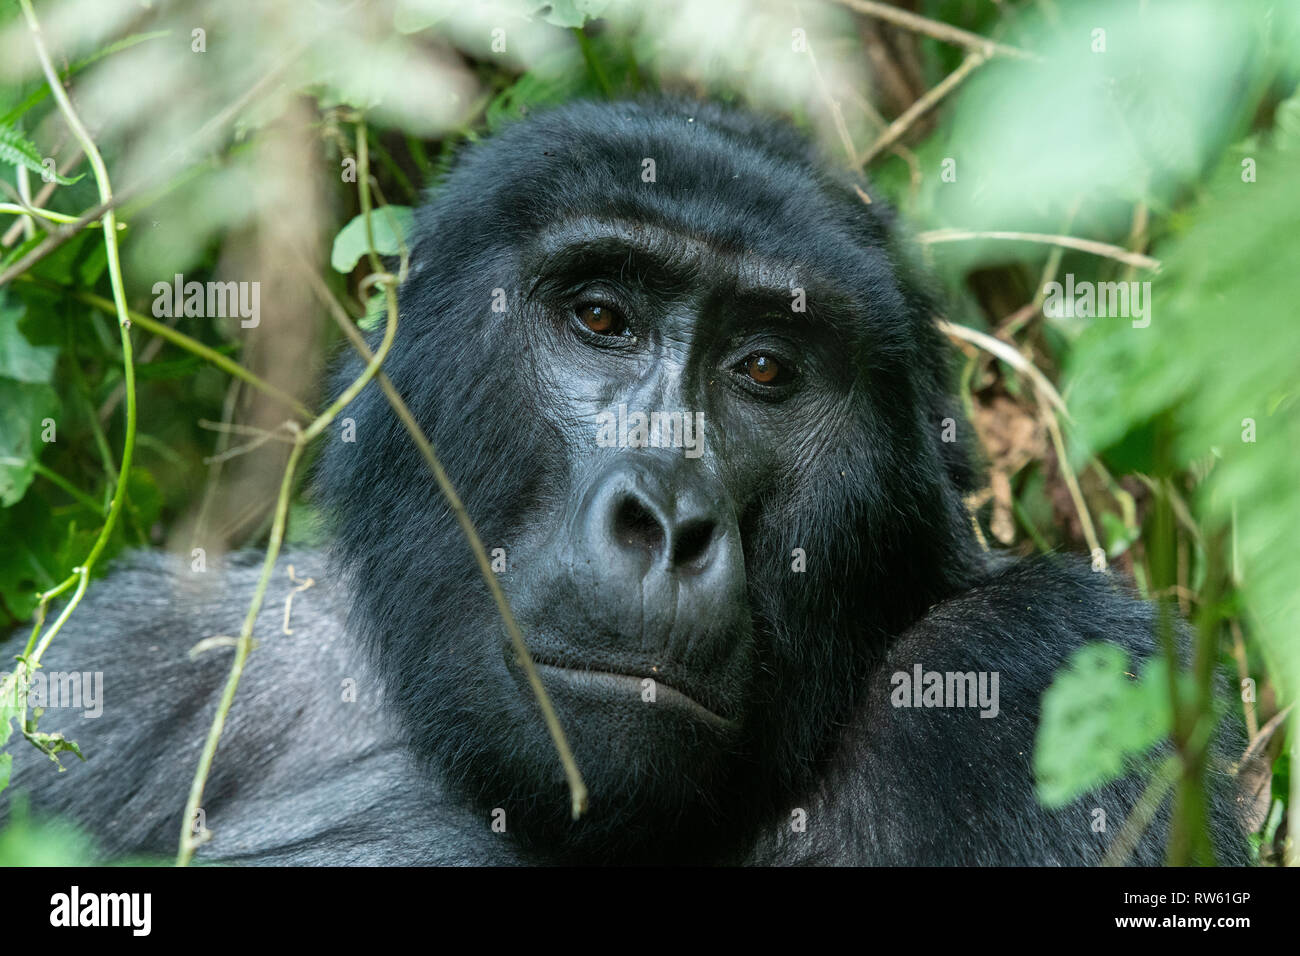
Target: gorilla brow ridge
675, 256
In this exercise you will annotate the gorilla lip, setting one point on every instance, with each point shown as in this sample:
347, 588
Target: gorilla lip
612, 683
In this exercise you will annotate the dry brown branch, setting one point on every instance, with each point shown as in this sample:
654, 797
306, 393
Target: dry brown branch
1118, 253
933, 28
929, 101
1009, 355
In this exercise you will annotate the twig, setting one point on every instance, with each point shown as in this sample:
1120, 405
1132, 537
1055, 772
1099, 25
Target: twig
238, 428
244, 449
1009, 355
61, 235
1243, 674
837, 114
1048, 396
189, 842
899, 150
1119, 253
927, 102
244, 646
1260, 740
1072, 483
934, 28
40, 199
288, 601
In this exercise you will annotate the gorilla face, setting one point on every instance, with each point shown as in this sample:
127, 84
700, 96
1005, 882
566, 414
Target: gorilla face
699, 410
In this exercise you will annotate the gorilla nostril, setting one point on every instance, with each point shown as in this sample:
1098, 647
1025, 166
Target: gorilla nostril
636, 527
691, 543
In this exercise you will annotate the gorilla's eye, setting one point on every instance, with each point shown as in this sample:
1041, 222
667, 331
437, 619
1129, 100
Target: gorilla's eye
764, 369
601, 319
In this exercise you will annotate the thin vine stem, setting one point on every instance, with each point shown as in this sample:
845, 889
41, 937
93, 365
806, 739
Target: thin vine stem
20, 209
244, 643
80, 576
577, 786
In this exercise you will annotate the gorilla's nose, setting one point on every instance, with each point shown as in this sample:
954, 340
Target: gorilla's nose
644, 520
639, 524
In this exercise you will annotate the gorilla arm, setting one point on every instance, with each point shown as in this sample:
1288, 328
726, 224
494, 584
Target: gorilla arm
306, 772
917, 786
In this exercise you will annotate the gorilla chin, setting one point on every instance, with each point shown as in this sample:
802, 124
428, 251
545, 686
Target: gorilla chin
661, 746
658, 764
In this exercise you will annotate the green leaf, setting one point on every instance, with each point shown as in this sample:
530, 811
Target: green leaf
23, 407
32, 563
20, 359
570, 13
350, 244
80, 261
1287, 120
53, 744
1095, 717
20, 151
540, 87
376, 313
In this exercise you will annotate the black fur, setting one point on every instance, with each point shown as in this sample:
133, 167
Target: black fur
846, 464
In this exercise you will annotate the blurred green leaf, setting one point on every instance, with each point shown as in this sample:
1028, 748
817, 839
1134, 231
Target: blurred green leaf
1095, 718
143, 497
570, 13
23, 406
27, 843
78, 262
20, 360
43, 89
1129, 104
1223, 352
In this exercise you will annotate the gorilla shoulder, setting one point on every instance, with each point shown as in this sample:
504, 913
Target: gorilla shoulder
310, 769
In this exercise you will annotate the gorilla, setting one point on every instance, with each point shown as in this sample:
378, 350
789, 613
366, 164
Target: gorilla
689, 387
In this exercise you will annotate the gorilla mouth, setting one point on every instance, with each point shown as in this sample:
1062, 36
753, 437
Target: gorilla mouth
629, 686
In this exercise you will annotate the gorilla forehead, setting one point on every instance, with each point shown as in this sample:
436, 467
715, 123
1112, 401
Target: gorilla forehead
670, 251
746, 196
